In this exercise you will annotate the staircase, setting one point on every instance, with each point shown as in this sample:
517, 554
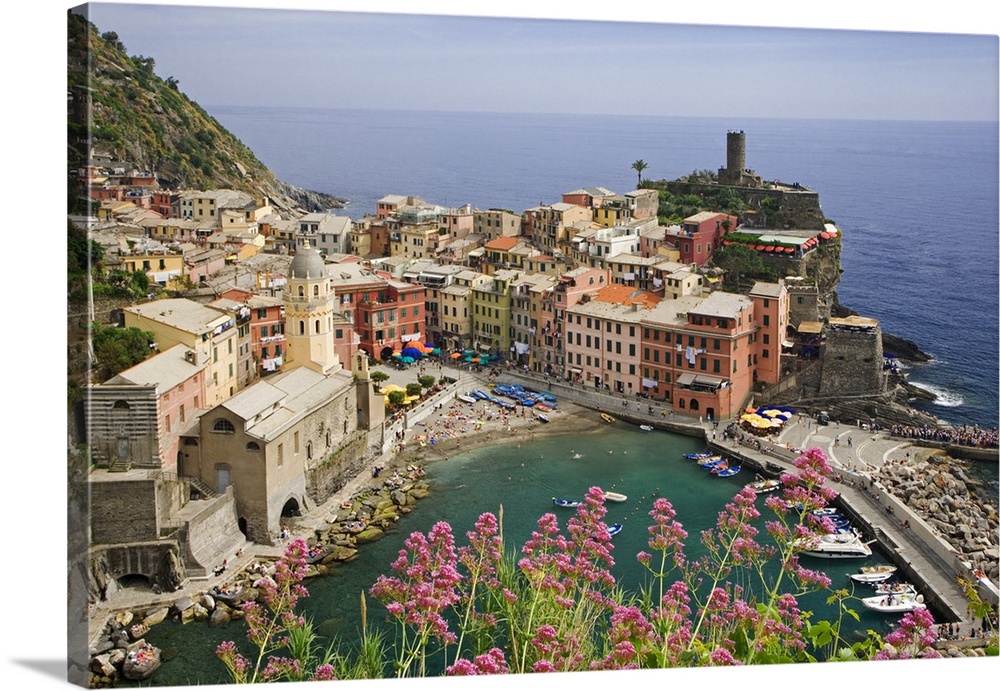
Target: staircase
120, 465
204, 490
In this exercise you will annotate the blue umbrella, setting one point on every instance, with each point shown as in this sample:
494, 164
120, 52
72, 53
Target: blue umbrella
412, 352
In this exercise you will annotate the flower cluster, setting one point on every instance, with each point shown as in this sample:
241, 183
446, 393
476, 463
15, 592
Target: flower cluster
557, 608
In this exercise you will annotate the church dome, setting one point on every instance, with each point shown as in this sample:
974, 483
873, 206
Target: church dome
307, 263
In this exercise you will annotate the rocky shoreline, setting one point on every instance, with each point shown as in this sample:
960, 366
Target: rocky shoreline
937, 488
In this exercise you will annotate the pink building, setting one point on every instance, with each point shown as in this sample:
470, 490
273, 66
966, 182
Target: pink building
700, 235
136, 417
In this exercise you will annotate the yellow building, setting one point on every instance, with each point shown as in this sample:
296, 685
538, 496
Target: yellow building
491, 313
160, 266
209, 334
456, 308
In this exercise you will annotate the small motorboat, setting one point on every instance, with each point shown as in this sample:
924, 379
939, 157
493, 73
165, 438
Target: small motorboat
893, 603
466, 397
874, 573
614, 529
567, 503
540, 417
828, 511
607, 418
615, 496
726, 472
645, 428
835, 546
763, 486
698, 456
897, 588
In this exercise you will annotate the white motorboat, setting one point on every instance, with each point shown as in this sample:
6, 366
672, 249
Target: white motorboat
646, 428
893, 603
896, 588
763, 486
835, 546
615, 496
614, 529
466, 397
874, 574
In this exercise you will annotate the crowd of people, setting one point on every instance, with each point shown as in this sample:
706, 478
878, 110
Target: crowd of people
966, 435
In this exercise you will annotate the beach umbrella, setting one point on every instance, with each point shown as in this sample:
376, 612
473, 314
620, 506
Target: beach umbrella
412, 353
455, 356
475, 359
436, 351
407, 360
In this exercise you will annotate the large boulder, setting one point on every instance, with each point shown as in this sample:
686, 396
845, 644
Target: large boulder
220, 617
369, 534
156, 616
141, 661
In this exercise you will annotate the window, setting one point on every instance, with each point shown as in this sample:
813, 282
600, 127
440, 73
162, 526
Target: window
253, 446
281, 455
224, 426
767, 320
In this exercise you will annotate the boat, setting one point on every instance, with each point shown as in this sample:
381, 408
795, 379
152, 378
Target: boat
541, 418
874, 573
696, 456
828, 511
614, 496
607, 418
763, 486
727, 472
567, 503
893, 603
716, 467
614, 529
466, 397
710, 461
835, 546
896, 588
645, 428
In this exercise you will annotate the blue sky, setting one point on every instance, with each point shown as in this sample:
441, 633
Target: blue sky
312, 58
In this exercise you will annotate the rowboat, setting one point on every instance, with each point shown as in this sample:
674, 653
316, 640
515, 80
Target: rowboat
614, 529
466, 397
645, 428
607, 418
874, 573
893, 603
567, 503
541, 418
726, 472
711, 461
697, 456
614, 496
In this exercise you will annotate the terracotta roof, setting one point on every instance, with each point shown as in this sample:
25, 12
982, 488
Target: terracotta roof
504, 243
625, 295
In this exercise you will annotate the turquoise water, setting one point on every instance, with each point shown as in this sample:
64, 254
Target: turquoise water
523, 480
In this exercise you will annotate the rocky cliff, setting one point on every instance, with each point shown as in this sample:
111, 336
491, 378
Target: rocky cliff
120, 108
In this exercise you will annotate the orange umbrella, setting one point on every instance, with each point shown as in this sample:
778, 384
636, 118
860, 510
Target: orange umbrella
455, 356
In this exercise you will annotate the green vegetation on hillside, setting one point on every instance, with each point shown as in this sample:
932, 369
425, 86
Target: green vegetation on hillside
121, 106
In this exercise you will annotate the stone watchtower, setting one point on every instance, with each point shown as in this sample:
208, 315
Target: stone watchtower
371, 405
310, 303
852, 361
736, 172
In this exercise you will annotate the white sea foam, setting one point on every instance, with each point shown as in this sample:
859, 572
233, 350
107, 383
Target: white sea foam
943, 397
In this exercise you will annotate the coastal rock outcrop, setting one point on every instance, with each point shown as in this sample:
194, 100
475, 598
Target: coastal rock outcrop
941, 493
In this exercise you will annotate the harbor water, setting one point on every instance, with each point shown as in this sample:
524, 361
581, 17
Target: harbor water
524, 480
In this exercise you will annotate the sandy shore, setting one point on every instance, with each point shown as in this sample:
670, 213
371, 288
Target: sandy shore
463, 427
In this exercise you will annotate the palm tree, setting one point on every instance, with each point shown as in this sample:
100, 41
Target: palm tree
638, 167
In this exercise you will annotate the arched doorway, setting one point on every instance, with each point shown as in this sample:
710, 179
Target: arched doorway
135, 581
385, 354
291, 508
242, 524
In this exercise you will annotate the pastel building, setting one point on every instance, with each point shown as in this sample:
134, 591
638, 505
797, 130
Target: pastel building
135, 418
700, 235
491, 304
210, 334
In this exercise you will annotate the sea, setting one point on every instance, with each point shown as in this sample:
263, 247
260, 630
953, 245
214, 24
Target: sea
916, 203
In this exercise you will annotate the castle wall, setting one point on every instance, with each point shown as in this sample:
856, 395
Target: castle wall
123, 511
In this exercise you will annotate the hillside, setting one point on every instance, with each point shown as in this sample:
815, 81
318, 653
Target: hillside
119, 106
